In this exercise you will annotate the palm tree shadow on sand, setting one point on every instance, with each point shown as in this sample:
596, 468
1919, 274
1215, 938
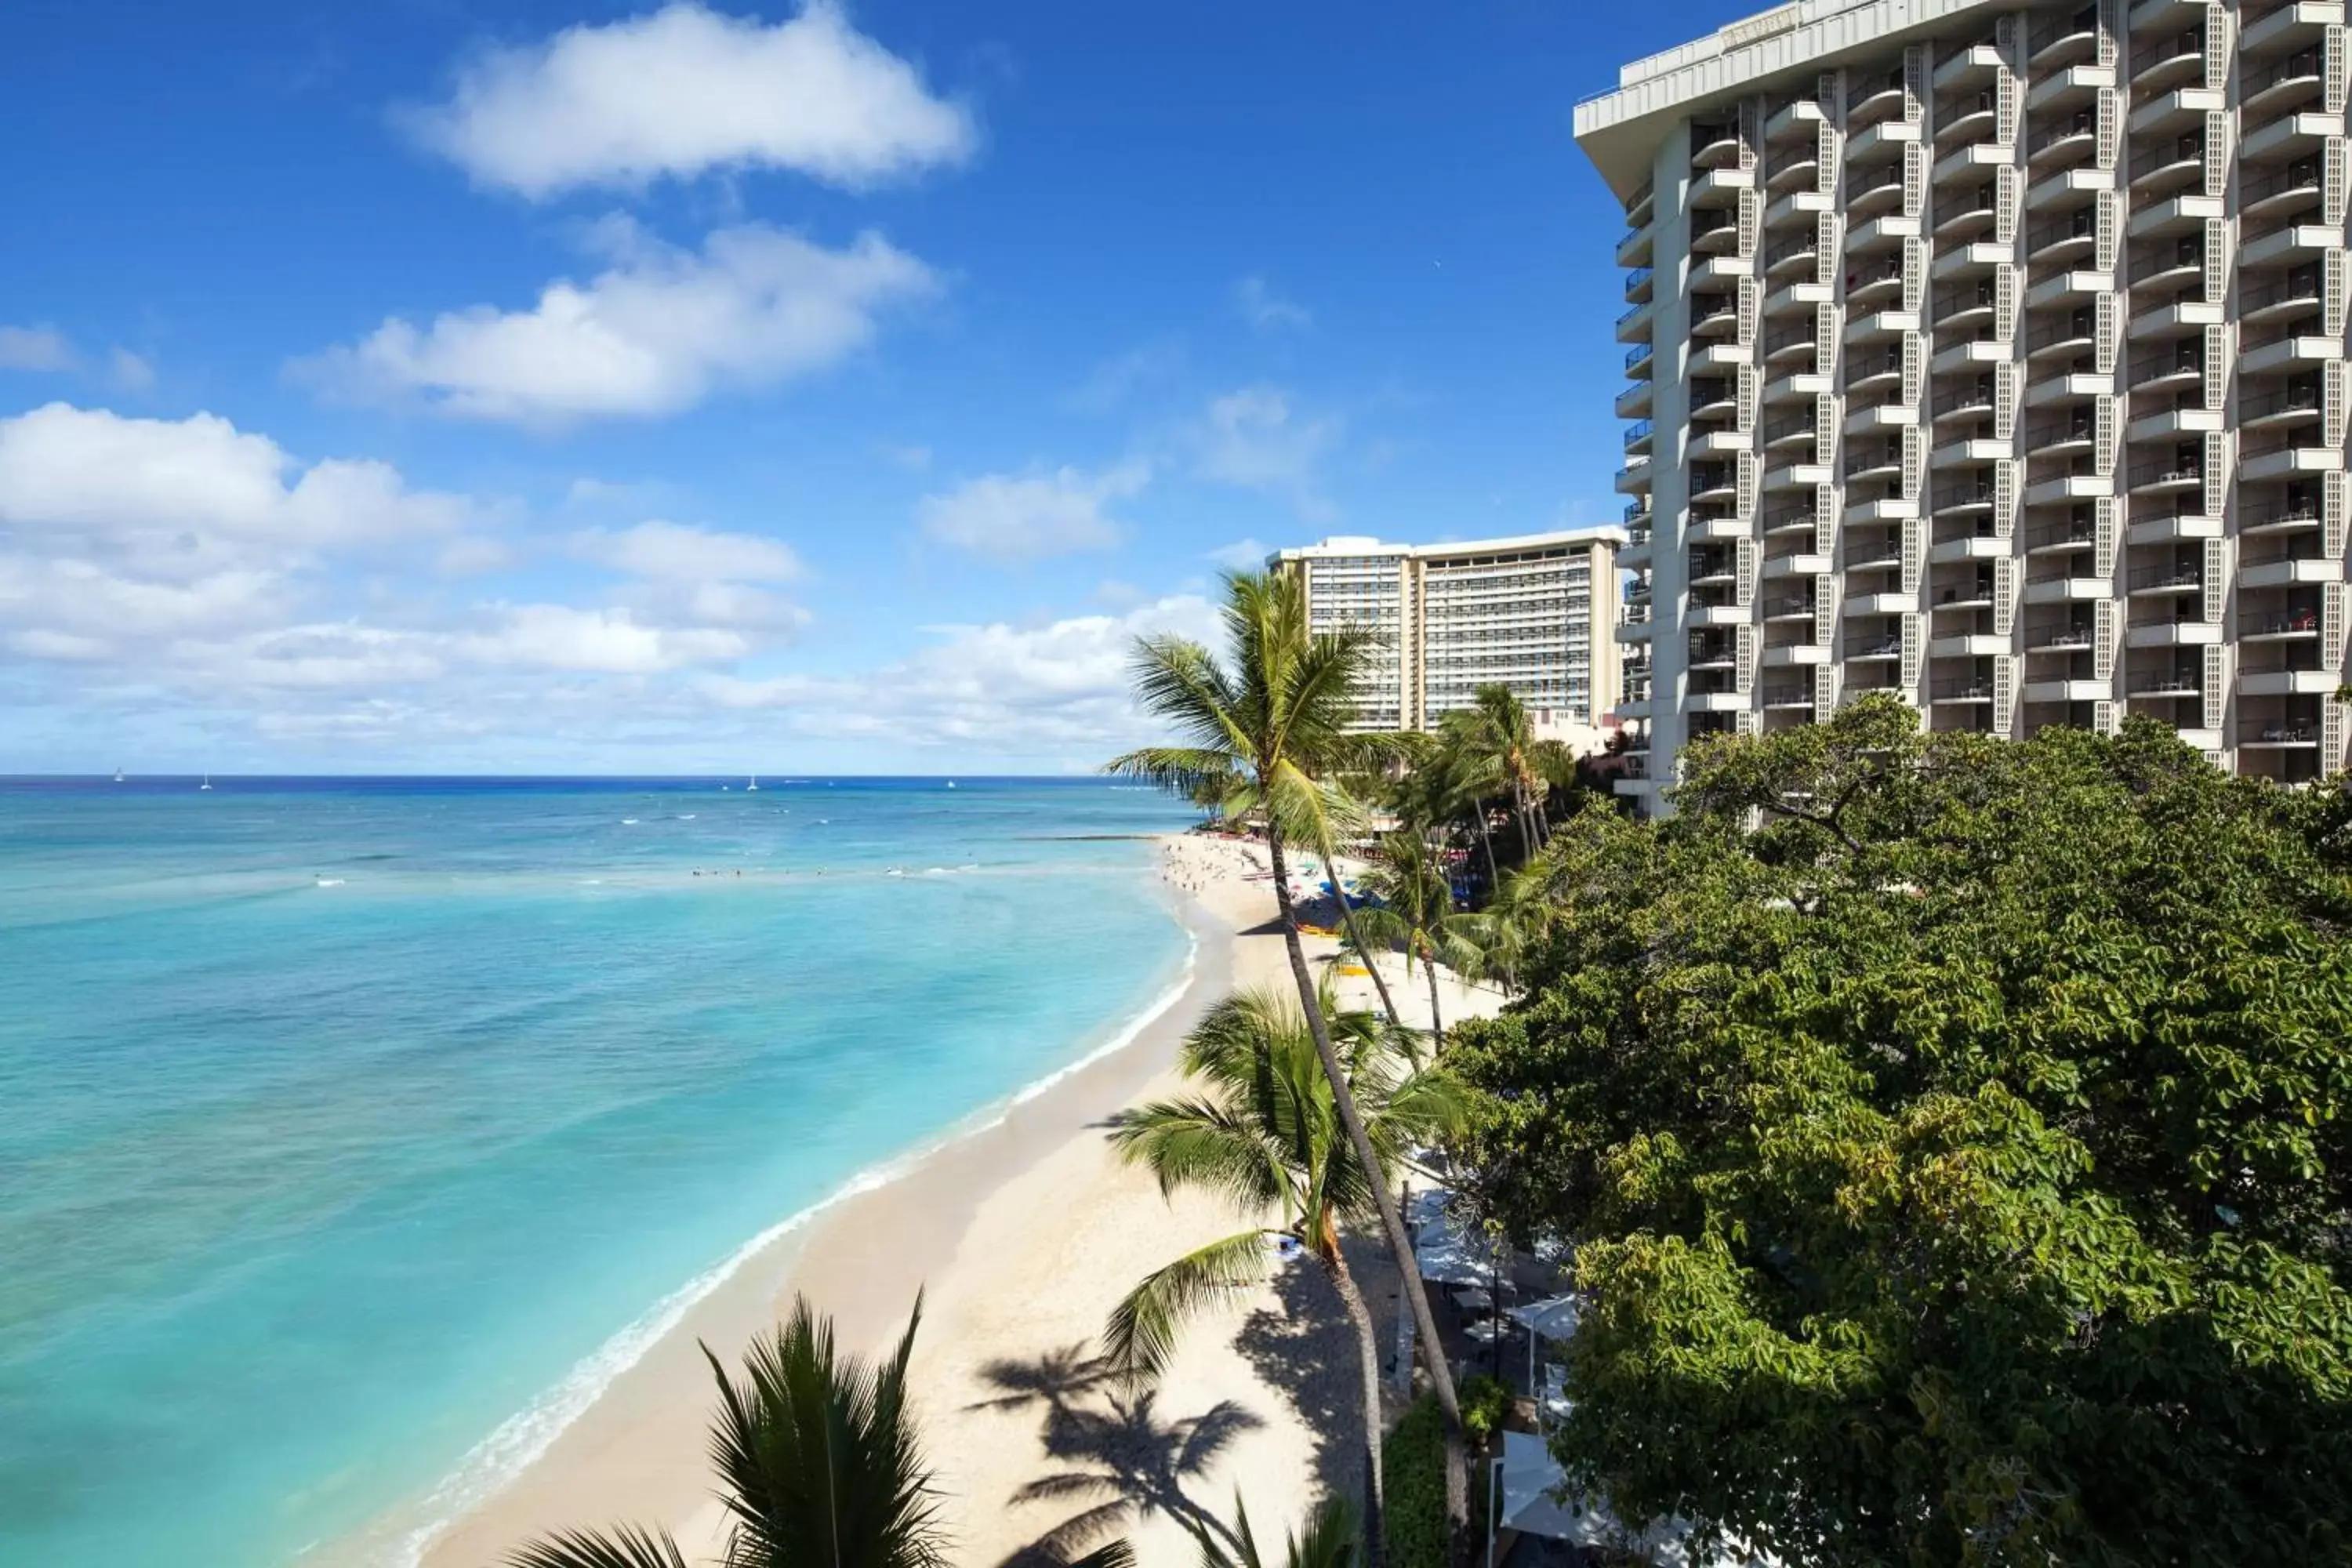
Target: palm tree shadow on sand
1301, 1349
1121, 1460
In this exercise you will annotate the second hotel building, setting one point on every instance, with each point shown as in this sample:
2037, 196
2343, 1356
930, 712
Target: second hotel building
1991, 355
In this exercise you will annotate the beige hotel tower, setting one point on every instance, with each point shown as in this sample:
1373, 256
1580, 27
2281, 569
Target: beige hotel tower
1992, 355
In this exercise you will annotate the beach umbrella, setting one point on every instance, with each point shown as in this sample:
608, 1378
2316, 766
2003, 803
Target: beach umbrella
1555, 1319
1451, 1257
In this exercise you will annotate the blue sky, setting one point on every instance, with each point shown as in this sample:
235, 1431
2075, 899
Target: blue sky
459, 384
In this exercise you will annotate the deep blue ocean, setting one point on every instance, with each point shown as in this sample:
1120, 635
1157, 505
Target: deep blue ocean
346, 1123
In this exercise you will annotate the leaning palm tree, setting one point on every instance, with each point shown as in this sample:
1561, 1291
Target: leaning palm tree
817, 1459
1263, 1132
1493, 749
1275, 720
1416, 913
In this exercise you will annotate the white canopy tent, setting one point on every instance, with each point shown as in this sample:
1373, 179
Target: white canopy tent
1528, 1483
1553, 1319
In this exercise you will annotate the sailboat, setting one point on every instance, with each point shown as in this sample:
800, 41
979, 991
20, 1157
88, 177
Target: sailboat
208, 780
755, 783
118, 775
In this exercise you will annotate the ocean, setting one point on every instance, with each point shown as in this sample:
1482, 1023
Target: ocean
353, 1132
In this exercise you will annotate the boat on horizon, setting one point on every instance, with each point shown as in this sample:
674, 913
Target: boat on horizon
208, 782
753, 784
118, 775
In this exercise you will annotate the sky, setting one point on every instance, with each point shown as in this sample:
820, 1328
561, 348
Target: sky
491, 386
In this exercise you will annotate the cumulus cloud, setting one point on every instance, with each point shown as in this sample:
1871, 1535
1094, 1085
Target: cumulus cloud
1021, 517
198, 483
35, 348
1037, 688
193, 558
653, 335
687, 90
1241, 555
1266, 311
1251, 438
670, 551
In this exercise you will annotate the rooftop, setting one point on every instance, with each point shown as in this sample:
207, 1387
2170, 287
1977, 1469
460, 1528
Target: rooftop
1340, 545
1620, 130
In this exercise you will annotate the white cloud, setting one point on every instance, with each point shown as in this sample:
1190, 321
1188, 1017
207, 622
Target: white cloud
1241, 555
1024, 517
1249, 438
1266, 311
35, 348
131, 372
1059, 686
609, 642
669, 551
687, 90
656, 334
199, 483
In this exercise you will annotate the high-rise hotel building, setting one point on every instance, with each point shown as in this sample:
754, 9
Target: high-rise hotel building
1534, 613
1993, 355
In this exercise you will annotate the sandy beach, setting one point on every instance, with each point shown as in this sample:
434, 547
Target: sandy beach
1021, 1235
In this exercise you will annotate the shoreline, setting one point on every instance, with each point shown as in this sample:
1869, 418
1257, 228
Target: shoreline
520, 1472
1019, 1227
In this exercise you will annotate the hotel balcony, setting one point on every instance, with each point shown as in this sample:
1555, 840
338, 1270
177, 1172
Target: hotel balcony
2073, 536
2296, 515
2066, 191
1967, 645
2170, 423
2182, 579
2072, 386
1634, 479
1633, 326
2293, 572
2162, 215
1796, 256
2062, 139
1874, 98
2168, 60
1638, 284
2174, 527
1636, 247
2172, 113
2067, 86
1635, 402
2281, 86
2304, 131
2289, 682
2068, 690
2288, 27
2173, 634
2294, 348
2059, 39
2167, 268
2175, 319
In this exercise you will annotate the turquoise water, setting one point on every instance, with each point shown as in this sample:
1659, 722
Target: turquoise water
339, 1124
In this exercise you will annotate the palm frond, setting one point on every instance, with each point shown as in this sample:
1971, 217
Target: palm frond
1202, 1143
1119, 1554
1184, 768
1139, 1338
625, 1547
1179, 681
819, 1456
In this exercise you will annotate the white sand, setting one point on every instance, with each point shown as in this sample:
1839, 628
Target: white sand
1022, 1236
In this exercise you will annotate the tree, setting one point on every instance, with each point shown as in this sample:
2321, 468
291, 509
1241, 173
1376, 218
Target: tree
1275, 722
1264, 1133
1491, 750
818, 1463
1960, 1161
1416, 912
1331, 1542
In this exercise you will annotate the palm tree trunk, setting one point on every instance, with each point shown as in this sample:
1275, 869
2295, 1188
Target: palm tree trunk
1486, 841
1436, 1024
1371, 962
1441, 1376
1368, 1351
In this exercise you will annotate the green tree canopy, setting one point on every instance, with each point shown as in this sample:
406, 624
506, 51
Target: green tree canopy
1958, 1158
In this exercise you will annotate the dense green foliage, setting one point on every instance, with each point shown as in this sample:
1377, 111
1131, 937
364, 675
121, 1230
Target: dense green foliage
1485, 1400
1959, 1159
1412, 1471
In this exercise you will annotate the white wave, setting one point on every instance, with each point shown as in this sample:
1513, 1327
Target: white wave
896, 871
328, 882
687, 816
524, 1438
628, 822
938, 871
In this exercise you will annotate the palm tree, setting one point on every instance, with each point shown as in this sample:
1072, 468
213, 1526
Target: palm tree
1416, 912
817, 1460
1266, 1133
1275, 722
1492, 747
1331, 1542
